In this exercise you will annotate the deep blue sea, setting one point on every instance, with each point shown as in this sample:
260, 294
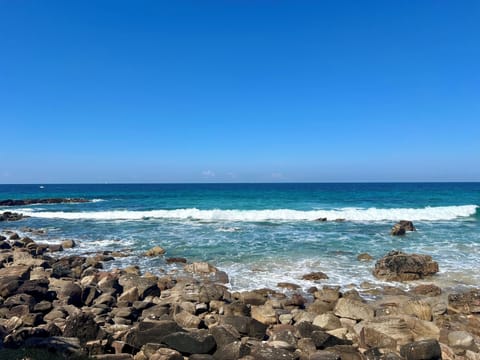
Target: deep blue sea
261, 234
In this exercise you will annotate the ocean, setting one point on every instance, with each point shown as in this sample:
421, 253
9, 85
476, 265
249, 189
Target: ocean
263, 234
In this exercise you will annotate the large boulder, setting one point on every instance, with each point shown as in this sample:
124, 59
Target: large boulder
193, 342
151, 332
82, 326
353, 309
398, 266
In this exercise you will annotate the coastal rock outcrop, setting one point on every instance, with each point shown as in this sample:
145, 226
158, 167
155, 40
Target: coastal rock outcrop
402, 227
21, 202
71, 306
399, 266
11, 216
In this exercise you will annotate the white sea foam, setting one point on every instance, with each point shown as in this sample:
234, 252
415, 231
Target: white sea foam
349, 214
97, 200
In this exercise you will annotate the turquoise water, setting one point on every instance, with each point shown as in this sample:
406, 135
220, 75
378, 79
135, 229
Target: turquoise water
262, 234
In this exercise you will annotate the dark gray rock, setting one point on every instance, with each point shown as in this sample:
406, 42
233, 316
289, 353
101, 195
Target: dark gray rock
82, 326
422, 350
151, 332
194, 342
245, 325
232, 351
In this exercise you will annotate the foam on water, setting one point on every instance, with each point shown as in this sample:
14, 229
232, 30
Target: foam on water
349, 214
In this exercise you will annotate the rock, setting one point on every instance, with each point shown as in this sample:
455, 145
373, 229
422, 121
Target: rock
322, 219
401, 227
426, 290
314, 276
224, 334
176, 260
384, 332
166, 354
231, 351
11, 202
465, 303
145, 286
289, 286
265, 314
130, 295
461, 339
82, 326
422, 350
418, 308
187, 320
266, 352
353, 309
68, 244
69, 292
324, 355
327, 321
155, 251
364, 257
68, 347
10, 216
194, 342
245, 325
151, 331
253, 297
398, 266
202, 268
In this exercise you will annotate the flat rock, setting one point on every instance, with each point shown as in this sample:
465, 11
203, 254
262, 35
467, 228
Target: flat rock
353, 309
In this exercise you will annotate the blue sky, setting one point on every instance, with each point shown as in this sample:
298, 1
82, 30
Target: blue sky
200, 91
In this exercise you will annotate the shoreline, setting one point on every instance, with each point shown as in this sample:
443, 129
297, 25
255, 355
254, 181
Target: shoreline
50, 299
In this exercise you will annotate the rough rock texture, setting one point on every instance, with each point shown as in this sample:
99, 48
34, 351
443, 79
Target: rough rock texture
402, 227
398, 266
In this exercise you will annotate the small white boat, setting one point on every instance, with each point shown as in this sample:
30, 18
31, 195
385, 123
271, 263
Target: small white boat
42, 187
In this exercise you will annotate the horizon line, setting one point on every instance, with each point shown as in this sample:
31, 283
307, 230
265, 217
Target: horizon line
247, 182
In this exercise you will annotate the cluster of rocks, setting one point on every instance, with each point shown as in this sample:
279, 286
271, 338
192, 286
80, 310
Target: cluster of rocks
21, 202
11, 216
71, 306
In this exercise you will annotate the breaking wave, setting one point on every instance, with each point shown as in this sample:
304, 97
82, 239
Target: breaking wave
349, 214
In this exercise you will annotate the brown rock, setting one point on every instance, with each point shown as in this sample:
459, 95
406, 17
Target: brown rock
466, 303
398, 266
364, 257
353, 309
427, 290
402, 227
318, 275
155, 251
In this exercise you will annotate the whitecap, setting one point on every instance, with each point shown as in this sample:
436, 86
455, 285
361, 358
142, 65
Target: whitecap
350, 214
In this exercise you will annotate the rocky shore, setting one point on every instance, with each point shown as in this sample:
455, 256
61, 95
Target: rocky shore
12, 202
69, 307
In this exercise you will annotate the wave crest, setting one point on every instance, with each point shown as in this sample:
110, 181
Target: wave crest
349, 214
